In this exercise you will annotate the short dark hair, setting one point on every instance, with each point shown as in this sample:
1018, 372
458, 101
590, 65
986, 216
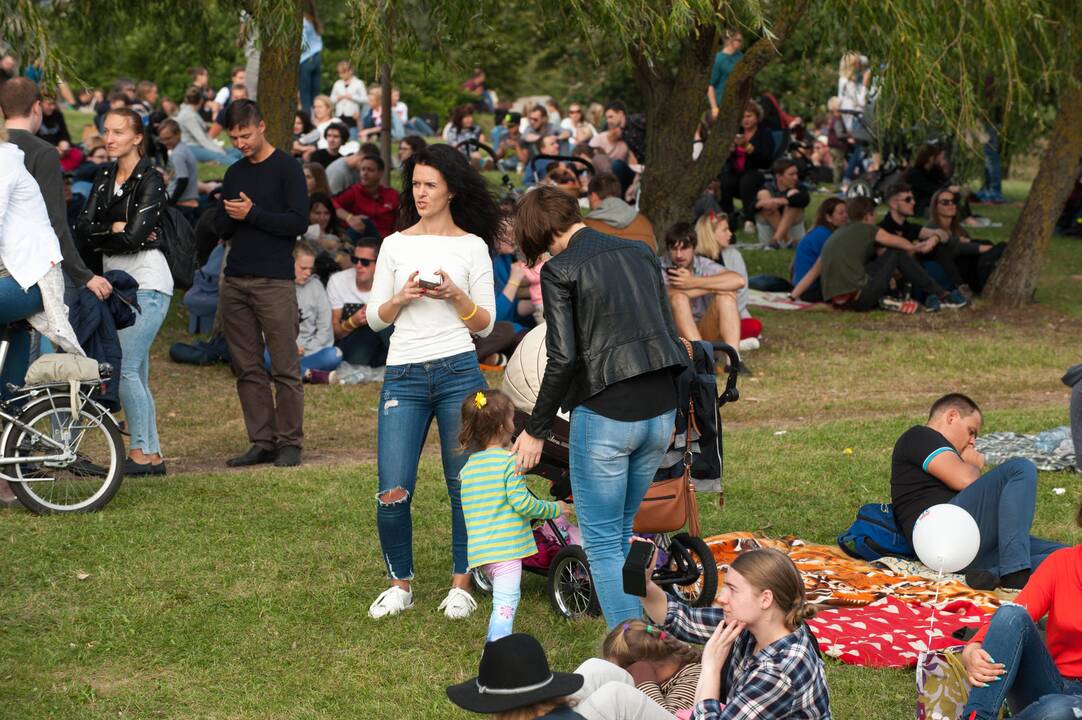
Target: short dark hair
897, 189
954, 401
171, 125
369, 148
242, 113
236, 70
860, 208
17, 97
782, 164
416, 142
540, 215
681, 233
605, 185
193, 95
341, 129
376, 159
368, 241
539, 108
616, 105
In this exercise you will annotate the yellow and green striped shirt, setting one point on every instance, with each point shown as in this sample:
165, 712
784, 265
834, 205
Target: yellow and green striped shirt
498, 508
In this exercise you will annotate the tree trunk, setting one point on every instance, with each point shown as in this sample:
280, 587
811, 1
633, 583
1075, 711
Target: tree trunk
279, 67
388, 121
675, 102
1015, 279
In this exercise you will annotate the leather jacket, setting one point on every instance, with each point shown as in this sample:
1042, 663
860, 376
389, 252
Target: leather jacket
608, 319
140, 205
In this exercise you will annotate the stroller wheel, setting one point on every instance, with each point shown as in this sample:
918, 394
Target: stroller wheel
481, 580
700, 593
571, 589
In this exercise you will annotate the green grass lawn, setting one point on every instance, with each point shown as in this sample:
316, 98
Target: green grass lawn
242, 594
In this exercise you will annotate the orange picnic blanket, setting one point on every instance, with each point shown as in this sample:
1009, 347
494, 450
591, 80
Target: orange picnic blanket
832, 578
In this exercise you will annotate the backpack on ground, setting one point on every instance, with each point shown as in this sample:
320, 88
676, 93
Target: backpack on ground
875, 534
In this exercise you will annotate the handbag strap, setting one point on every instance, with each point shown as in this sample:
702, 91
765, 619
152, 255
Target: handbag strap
692, 504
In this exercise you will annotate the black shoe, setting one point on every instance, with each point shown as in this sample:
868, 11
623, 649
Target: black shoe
288, 456
982, 580
84, 468
134, 469
1015, 580
255, 455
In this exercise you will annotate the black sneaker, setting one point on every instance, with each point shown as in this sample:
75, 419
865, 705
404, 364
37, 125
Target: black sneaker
982, 580
288, 456
255, 455
134, 469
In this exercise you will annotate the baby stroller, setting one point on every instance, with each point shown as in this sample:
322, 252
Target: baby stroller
686, 566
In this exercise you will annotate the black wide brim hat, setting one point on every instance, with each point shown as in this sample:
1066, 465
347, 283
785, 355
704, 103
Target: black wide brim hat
513, 673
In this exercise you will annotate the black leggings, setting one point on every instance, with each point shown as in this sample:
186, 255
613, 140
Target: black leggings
882, 269
746, 186
946, 254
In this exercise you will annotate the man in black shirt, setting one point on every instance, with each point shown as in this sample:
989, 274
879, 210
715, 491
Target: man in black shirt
262, 211
938, 463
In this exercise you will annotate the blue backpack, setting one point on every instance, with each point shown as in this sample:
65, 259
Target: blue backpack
875, 535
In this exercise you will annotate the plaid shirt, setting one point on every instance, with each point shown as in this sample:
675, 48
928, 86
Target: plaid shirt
785, 680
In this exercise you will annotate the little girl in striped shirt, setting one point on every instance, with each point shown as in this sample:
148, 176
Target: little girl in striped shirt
497, 504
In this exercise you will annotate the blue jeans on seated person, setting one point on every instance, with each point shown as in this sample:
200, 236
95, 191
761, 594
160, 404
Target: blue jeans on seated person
225, 158
1002, 503
412, 396
1032, 684
16, 304
365, 347
325, 359
612, 465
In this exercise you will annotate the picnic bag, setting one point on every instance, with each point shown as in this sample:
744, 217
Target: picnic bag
942, 685
875, 534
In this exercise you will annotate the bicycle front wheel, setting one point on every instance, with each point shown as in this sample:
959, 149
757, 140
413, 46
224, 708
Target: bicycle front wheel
81, 477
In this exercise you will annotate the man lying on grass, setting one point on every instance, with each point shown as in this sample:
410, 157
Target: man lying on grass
939, 463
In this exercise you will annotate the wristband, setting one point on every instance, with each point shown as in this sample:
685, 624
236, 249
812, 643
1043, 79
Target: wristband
467, 318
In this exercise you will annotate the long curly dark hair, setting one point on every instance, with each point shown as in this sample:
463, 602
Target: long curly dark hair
473, 206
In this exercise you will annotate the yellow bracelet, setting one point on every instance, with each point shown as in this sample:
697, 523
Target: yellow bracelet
467, 318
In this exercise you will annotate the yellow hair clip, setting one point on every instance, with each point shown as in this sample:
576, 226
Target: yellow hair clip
480, 400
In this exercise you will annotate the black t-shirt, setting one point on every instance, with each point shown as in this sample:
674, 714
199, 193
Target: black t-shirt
912, 488
637, 398
910, 231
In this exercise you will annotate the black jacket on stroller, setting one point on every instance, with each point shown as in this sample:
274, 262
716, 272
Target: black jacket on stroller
698, 390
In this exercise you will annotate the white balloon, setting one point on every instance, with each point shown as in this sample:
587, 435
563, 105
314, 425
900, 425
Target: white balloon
946, 538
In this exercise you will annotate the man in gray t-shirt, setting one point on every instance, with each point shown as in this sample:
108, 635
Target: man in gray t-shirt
183, 171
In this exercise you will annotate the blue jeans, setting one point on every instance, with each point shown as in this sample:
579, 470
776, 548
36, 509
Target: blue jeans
135, 397
325, 359
993, 167
856, 160
364, 346
1032, 684
418, 126
411, 397
612, 466
225, 157
308, 82
1002, 503
16, 304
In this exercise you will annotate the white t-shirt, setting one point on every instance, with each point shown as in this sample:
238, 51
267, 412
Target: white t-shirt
149, 268
342, 289
427, 328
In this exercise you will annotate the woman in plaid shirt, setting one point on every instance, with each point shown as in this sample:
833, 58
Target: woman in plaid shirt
775, 670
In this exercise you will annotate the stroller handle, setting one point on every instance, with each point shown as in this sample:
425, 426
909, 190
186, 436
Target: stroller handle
730, 393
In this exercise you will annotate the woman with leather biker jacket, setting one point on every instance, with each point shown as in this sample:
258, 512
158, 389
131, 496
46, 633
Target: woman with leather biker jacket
119, 221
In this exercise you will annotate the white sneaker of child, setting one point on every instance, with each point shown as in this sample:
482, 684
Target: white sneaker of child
391, 601
458, 604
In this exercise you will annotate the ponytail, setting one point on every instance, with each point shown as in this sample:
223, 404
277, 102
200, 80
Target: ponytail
636, 640
798, 613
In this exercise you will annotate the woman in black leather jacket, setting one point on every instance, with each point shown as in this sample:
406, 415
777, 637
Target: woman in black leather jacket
119, 221
613, 355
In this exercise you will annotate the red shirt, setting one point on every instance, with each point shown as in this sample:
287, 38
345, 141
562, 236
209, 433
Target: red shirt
383, 210
1055, 588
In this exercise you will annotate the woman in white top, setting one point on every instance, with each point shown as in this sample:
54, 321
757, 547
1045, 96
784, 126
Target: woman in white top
852, 98
434, 283
31, 284
119, 221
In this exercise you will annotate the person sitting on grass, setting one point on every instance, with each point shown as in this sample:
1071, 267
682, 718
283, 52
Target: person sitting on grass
369, 201
1041, 679
859, 262
609, 213
779, 217
665, 669
496, 504
774, 668
807, 266
938, 463
901, 203
335, 135
315, 342
943, 214
702, 293
347, 293
715, 242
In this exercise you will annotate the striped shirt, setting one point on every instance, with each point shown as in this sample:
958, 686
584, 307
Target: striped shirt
498, 508
676, 693
783, 680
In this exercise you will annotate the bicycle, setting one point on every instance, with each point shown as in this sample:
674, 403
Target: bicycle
60, 450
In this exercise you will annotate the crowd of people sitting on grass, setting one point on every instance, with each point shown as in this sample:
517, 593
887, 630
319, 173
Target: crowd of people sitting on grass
314, 260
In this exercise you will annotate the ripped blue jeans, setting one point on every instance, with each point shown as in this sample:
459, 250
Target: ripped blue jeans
412, 396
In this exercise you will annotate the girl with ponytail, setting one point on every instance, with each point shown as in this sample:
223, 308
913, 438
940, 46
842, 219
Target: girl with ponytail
665, 669
756, 642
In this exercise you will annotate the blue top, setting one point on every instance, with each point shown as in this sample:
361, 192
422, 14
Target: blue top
311, 41
506, 310
808, 251
723, 66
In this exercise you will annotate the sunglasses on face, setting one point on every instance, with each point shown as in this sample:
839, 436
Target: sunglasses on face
947, 201
363, 262
906, 199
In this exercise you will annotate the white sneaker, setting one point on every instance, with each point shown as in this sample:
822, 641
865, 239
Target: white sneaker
458, 604
750, 343
391, 601
749, 227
